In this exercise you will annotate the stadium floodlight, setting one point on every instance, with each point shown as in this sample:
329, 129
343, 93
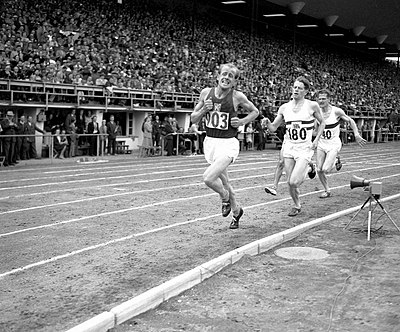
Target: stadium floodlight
330, 20
358, 30
274, 15
334, 34
380, 39
233, 2
307, 26
296, 7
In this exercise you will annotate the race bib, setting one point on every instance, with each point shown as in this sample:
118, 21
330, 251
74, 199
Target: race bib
327, 134
217, 120
296, 131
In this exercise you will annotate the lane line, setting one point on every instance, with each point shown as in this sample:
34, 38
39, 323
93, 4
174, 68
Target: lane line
390, 155
126, 183
153, 190
155, 230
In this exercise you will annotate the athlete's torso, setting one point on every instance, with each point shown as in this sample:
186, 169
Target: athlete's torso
218, 120
299, 121
332, 125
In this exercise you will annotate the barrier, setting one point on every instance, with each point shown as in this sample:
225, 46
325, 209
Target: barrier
45, 95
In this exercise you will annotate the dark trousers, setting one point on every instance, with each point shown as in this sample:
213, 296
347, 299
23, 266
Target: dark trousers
112, 145
8, 150
29, 149
19, 148
93, 145
169, 146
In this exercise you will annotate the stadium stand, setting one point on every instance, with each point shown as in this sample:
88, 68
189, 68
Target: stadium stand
147, 56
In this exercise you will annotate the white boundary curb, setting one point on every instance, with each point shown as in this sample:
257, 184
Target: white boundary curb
155, 296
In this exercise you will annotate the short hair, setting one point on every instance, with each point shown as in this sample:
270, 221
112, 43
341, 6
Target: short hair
323, 92
305, 81
231, 66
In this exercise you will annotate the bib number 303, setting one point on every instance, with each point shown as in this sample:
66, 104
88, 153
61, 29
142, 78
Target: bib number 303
217, 120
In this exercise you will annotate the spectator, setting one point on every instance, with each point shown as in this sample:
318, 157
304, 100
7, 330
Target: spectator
93, 128
156, 130
147, 129
8, 127
19, 146
112, 134
59, 144
167, 133
72, 138
29, 147
103, 137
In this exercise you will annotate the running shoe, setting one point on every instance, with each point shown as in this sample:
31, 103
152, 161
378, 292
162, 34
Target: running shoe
338, 164
226, 208
325, 194
294, 212
271, 190
235, 220
312, 173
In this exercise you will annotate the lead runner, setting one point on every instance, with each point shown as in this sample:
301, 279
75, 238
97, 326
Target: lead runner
219, 105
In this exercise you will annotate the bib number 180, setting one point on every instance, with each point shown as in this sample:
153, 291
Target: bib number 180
295, 134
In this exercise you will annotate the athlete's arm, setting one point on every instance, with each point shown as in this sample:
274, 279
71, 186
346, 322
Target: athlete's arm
318, 115
241, 100
272, 127
202, 107
342, 115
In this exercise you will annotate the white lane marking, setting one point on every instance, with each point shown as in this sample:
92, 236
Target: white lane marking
121, 177
390, 154
148, 190
157, 204
129, 237
126, 183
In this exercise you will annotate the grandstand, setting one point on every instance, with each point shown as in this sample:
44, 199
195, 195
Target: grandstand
156, 60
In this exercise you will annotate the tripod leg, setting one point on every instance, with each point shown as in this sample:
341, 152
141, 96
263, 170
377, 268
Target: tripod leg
387, 214
351, 220
369, 220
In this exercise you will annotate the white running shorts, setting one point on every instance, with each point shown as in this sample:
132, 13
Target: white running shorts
217, 147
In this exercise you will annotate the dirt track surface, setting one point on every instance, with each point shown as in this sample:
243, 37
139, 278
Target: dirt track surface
355, 289
77, 240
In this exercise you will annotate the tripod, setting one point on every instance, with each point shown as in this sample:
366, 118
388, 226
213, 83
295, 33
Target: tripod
370, 210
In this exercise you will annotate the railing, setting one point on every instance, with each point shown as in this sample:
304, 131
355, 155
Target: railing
40, 94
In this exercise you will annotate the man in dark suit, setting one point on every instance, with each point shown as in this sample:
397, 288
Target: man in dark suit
29, 148
8, 126
112, 135
93, 128
19, 146
168, 130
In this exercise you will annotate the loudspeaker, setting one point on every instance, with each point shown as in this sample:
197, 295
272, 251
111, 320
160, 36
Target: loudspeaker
356, 182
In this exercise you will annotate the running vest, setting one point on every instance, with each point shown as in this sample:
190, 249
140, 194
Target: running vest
299, 123
332, 126
218, 120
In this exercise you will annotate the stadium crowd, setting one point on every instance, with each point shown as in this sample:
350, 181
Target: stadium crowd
150, 45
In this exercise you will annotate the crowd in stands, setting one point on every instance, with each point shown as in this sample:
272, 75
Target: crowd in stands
151, 45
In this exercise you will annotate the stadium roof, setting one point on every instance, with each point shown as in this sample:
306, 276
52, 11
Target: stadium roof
376, 21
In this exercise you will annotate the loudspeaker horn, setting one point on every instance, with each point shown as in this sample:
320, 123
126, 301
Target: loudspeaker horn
356, 182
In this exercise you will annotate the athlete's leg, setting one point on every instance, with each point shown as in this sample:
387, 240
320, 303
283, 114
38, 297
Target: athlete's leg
321, 156
277, 176
232, 196
279, 170
295, 171
212, 174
